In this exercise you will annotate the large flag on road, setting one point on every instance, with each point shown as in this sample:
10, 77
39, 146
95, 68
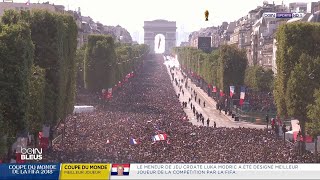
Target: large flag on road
242, 95
231, 91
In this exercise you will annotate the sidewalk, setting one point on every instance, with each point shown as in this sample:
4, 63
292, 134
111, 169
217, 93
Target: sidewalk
209, 111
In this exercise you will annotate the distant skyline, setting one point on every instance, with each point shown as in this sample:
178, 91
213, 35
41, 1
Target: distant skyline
188, 14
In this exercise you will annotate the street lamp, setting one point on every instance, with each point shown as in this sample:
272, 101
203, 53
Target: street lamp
268, 110
284, 130
267, 120
298, 139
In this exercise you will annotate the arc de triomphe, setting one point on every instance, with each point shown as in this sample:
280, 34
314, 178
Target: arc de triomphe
167, 28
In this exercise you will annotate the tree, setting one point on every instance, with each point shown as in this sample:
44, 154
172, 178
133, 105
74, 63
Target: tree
16, 52
125, 60
100, 62
232, 65
36, 100
293, 40
300, 88
214, 66
70, 49
313, 127
80, 56
55, 39
259, 79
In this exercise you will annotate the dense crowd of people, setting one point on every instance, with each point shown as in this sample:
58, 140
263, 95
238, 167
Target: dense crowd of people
147, 104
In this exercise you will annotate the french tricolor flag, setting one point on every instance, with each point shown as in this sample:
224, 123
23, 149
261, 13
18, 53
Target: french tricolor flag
231, 91
133, 141
120, 169
159, 137
242, 95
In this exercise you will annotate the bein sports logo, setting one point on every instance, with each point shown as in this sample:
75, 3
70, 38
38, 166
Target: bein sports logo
31, 154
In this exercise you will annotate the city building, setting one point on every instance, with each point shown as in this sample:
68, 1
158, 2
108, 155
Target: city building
78, 18
31, 6
298, 7
217, 35
262, 35
227, 33
314, 7
184, 44
136, 36
87, 29
47, 7
309, 17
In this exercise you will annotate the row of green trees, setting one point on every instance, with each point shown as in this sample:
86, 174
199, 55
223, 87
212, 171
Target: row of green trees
225, 67
103, 63
37, 72
297, 82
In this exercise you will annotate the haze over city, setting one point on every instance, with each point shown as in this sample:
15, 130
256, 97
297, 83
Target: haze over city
189, 14
233, 94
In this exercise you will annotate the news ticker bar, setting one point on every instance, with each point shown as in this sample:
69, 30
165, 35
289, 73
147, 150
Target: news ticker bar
283, 15
103, 171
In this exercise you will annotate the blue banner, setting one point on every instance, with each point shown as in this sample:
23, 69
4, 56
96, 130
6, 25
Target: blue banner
29, 171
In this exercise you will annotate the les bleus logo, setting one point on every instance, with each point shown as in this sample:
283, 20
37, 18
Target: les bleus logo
31, 154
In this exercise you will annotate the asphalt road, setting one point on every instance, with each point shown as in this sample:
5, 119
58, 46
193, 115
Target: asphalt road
209, 111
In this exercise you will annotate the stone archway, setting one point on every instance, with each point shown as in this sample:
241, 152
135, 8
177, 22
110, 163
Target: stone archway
167, 28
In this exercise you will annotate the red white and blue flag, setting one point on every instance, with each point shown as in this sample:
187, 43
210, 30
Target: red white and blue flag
159, 137
242, 95
118, 168
133, 141
231, 91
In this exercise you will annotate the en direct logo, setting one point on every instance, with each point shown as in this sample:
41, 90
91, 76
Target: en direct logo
31, 154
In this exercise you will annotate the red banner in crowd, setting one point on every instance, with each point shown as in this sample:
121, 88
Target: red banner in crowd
40, 135
109, 93
214, 89
44, 143
221, 93
18, 158
119, 84
308, 139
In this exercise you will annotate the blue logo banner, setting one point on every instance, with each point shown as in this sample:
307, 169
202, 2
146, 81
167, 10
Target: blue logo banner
30, 171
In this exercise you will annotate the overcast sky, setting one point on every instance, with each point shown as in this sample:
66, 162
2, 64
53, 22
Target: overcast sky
188, 13
130, 14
